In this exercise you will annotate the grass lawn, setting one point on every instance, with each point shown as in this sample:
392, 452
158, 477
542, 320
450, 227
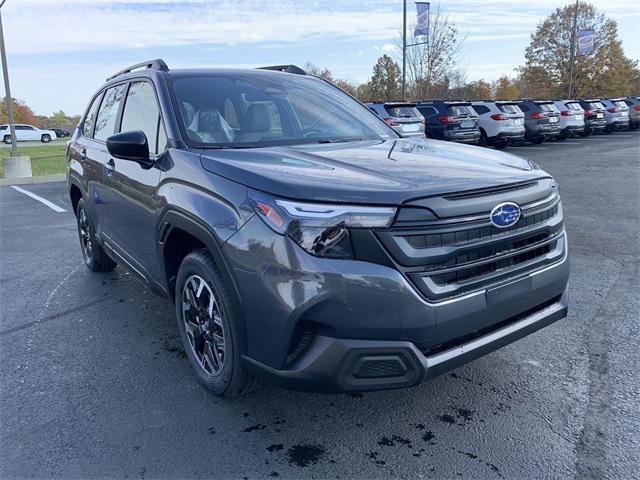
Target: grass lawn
45, 159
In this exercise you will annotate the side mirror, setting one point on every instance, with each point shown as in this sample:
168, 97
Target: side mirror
131, 146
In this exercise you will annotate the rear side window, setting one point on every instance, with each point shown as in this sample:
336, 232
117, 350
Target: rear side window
3, 127
141, 112
90, 119
401, 112
481, 109
524, 107
106, 119
509, 108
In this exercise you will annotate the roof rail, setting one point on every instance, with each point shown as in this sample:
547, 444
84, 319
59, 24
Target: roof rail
285, 68
157, 64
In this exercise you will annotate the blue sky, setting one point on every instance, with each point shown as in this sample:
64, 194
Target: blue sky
60, 51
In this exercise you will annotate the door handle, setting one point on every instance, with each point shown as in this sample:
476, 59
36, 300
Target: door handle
83, 154
110, 167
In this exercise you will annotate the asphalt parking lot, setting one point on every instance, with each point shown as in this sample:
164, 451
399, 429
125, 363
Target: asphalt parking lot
94, 381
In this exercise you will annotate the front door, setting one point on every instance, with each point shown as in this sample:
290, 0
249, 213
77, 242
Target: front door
131, 190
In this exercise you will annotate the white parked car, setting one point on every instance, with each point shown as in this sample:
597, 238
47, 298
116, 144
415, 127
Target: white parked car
25, 133
501, 122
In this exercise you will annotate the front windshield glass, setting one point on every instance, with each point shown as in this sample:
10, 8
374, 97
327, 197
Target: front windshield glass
260, 110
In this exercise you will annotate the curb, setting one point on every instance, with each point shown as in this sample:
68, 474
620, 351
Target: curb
58, 177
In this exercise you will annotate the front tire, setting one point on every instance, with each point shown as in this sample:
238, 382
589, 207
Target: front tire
94, 256
209, 327
46, 138
7, 139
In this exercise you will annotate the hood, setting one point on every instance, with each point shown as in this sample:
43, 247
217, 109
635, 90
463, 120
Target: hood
374, 172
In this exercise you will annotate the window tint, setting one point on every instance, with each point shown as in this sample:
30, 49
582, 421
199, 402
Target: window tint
106, 120
141, 112
481, 109
548, 107
524, 107
427, 111
401, 111
3, 127
90, 119
457, 110
508, 108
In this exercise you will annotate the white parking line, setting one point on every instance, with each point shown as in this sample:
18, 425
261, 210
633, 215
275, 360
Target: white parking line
44, 201
530, 148
570, 143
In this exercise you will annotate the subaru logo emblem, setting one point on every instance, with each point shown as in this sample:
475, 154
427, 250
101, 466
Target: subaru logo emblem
505, 215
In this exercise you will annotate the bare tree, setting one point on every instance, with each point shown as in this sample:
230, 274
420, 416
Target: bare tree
433, 63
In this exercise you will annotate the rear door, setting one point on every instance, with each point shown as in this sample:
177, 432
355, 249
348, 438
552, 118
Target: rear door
85, 157
131, 190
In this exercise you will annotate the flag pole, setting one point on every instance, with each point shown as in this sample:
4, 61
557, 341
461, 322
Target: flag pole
404, 48
574, 34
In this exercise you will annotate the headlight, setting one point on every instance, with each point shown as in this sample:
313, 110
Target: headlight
321, 229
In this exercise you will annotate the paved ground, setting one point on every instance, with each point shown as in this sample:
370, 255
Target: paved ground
95, 382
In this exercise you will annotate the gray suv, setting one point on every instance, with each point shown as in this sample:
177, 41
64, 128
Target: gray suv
541, 120
403, 117
301, 239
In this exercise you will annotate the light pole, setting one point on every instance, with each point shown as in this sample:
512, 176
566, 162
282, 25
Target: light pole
404, 48
14, 166
7, 88
572, 56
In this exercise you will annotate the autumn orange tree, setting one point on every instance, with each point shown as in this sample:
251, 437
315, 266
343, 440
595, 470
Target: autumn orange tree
21, 112
606, 71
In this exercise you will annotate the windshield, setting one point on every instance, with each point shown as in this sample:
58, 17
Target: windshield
259, 110
509, 108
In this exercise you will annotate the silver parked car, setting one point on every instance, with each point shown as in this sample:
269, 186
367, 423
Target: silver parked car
634, 111
403, 117
571, 118
616, 113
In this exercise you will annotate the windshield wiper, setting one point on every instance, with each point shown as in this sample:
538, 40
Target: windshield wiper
338, 140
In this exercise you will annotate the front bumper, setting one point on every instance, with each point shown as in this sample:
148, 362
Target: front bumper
360, 309
332, 365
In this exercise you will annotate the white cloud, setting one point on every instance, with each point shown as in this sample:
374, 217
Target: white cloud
388, 47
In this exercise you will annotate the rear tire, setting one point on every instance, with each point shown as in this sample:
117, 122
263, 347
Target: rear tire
7, 139
94, 256
209, 327
46, 138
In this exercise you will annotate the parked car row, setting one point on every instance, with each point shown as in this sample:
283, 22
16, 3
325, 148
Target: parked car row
499, 123
25, 133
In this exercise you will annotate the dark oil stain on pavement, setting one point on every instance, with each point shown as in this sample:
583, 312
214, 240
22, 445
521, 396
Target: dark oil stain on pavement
257, 426
394, 440
303, 455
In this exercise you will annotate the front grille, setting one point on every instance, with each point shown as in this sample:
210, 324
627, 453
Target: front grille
445, 258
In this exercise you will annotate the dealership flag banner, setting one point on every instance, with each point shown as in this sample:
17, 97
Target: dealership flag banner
422, 26
585, 41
